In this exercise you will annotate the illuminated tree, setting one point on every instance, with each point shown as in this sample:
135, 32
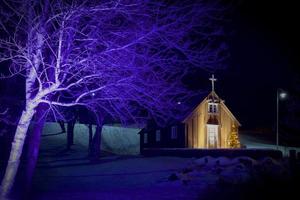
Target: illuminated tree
123, 59
234, 141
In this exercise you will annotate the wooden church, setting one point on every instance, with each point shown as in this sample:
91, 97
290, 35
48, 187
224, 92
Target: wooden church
209, 125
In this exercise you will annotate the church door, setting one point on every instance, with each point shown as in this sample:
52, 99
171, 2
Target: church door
212, 136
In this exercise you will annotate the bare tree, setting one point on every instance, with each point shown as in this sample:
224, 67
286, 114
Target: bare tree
120, 58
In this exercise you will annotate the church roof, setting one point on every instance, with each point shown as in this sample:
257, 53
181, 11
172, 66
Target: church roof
213, 97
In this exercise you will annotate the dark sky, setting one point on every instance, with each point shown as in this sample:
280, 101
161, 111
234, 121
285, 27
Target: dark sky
264, 47
264, 56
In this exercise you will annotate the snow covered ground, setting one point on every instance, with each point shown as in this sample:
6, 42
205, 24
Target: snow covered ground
136, 177
70, 174
63, 174
115, 139
111, 178
253, 142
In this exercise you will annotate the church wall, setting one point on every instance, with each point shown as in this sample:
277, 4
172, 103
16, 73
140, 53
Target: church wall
204, 119
190, 123
226, 124
190, 134
201, 116
196, 128
200, 129
195, 131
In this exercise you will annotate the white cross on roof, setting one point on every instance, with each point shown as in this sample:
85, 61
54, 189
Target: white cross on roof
213, 79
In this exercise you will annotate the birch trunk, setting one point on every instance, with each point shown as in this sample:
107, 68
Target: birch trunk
34, 139
16, 152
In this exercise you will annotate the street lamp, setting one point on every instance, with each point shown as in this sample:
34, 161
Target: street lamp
281, 95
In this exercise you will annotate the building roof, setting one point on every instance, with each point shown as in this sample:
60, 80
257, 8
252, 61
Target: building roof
213, 97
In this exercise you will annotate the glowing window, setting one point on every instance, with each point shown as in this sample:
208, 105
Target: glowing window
212, 135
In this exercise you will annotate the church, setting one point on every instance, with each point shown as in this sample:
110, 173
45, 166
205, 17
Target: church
210, 125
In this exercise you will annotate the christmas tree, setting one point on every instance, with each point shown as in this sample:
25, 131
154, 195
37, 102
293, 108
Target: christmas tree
233, 138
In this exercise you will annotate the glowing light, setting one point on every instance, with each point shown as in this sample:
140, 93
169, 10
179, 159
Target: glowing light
283, 95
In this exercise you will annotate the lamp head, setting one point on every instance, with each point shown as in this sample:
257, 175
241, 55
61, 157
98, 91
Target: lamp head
282, 95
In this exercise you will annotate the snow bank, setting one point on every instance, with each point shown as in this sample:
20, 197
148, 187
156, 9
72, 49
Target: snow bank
230, 171
235, 174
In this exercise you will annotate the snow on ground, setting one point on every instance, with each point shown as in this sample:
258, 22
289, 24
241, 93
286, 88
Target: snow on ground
70, 174
253, 142
115, 139
121, 140
120, 177
112, 178
63, 174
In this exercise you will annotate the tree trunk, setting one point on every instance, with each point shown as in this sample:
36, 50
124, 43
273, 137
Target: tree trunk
33, 142
96, 142
90, 138
70, 134
62, 126
16, 152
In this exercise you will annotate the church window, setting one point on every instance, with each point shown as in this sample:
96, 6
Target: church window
157, 135
145, 138
212, 108
174, 132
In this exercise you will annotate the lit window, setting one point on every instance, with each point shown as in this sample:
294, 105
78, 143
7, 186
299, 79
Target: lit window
145, 138
212, 135
174, 132
157, 135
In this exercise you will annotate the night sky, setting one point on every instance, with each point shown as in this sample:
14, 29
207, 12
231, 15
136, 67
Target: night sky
264, 46
264, 49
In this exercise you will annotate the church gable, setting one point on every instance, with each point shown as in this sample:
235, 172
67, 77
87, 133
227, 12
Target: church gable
210, 124
212, 103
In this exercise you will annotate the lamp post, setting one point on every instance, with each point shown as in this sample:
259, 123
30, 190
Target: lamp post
280, 95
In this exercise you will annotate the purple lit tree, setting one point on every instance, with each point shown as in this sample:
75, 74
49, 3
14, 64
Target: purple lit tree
123, 59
